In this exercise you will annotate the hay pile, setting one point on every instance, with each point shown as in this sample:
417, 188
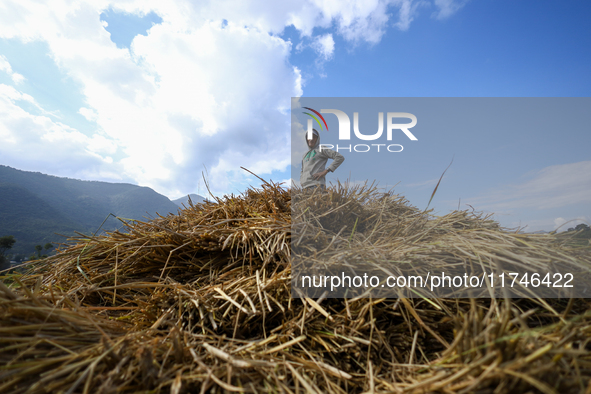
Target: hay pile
201, 302
359, 230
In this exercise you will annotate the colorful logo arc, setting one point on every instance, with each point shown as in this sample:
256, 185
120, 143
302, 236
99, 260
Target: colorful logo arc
315, 118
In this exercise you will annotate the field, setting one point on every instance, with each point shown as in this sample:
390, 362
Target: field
201, 302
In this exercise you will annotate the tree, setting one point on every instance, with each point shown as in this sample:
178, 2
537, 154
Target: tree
48, 246
581, 230
39, 248
6, 243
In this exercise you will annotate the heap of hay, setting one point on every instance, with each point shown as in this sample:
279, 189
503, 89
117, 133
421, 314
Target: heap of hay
201, 302
362, 231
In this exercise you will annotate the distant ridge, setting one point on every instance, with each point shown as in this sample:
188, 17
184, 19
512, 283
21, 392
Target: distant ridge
35, 206
195, 198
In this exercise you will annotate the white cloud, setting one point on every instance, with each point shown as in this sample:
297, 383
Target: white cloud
408, 10
552, 187
406, 13
448, 7
558, 222
5, 66
17, 78
31, 142
14, 96
324, 46
548, 224
427, 183
89, 114
562, 224
192, 92
356, 20
187, 95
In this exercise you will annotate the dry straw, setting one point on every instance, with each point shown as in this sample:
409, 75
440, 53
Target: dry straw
201, 302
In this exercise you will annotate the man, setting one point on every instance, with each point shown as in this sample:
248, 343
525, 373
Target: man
314, 162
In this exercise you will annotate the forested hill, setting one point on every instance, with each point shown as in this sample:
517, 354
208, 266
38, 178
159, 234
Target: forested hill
35, 206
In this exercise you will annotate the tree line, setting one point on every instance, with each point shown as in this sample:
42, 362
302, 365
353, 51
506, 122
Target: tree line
8, 241
582, 230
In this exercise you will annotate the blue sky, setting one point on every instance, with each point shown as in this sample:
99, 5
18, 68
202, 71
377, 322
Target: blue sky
156, 94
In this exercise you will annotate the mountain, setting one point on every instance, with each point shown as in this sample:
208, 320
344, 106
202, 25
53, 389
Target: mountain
195, 198
31, 220
35, 206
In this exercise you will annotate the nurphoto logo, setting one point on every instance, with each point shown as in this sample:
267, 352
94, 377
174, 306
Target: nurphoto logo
345, 129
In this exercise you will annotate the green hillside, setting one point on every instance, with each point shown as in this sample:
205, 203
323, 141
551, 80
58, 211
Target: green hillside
31, 220
35, 206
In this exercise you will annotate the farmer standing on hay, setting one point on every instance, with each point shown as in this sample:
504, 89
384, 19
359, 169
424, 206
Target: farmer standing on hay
313, 173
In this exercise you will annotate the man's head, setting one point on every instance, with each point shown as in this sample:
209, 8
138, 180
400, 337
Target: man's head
312, 142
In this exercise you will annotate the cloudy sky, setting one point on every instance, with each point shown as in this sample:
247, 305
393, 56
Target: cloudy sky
156, 93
